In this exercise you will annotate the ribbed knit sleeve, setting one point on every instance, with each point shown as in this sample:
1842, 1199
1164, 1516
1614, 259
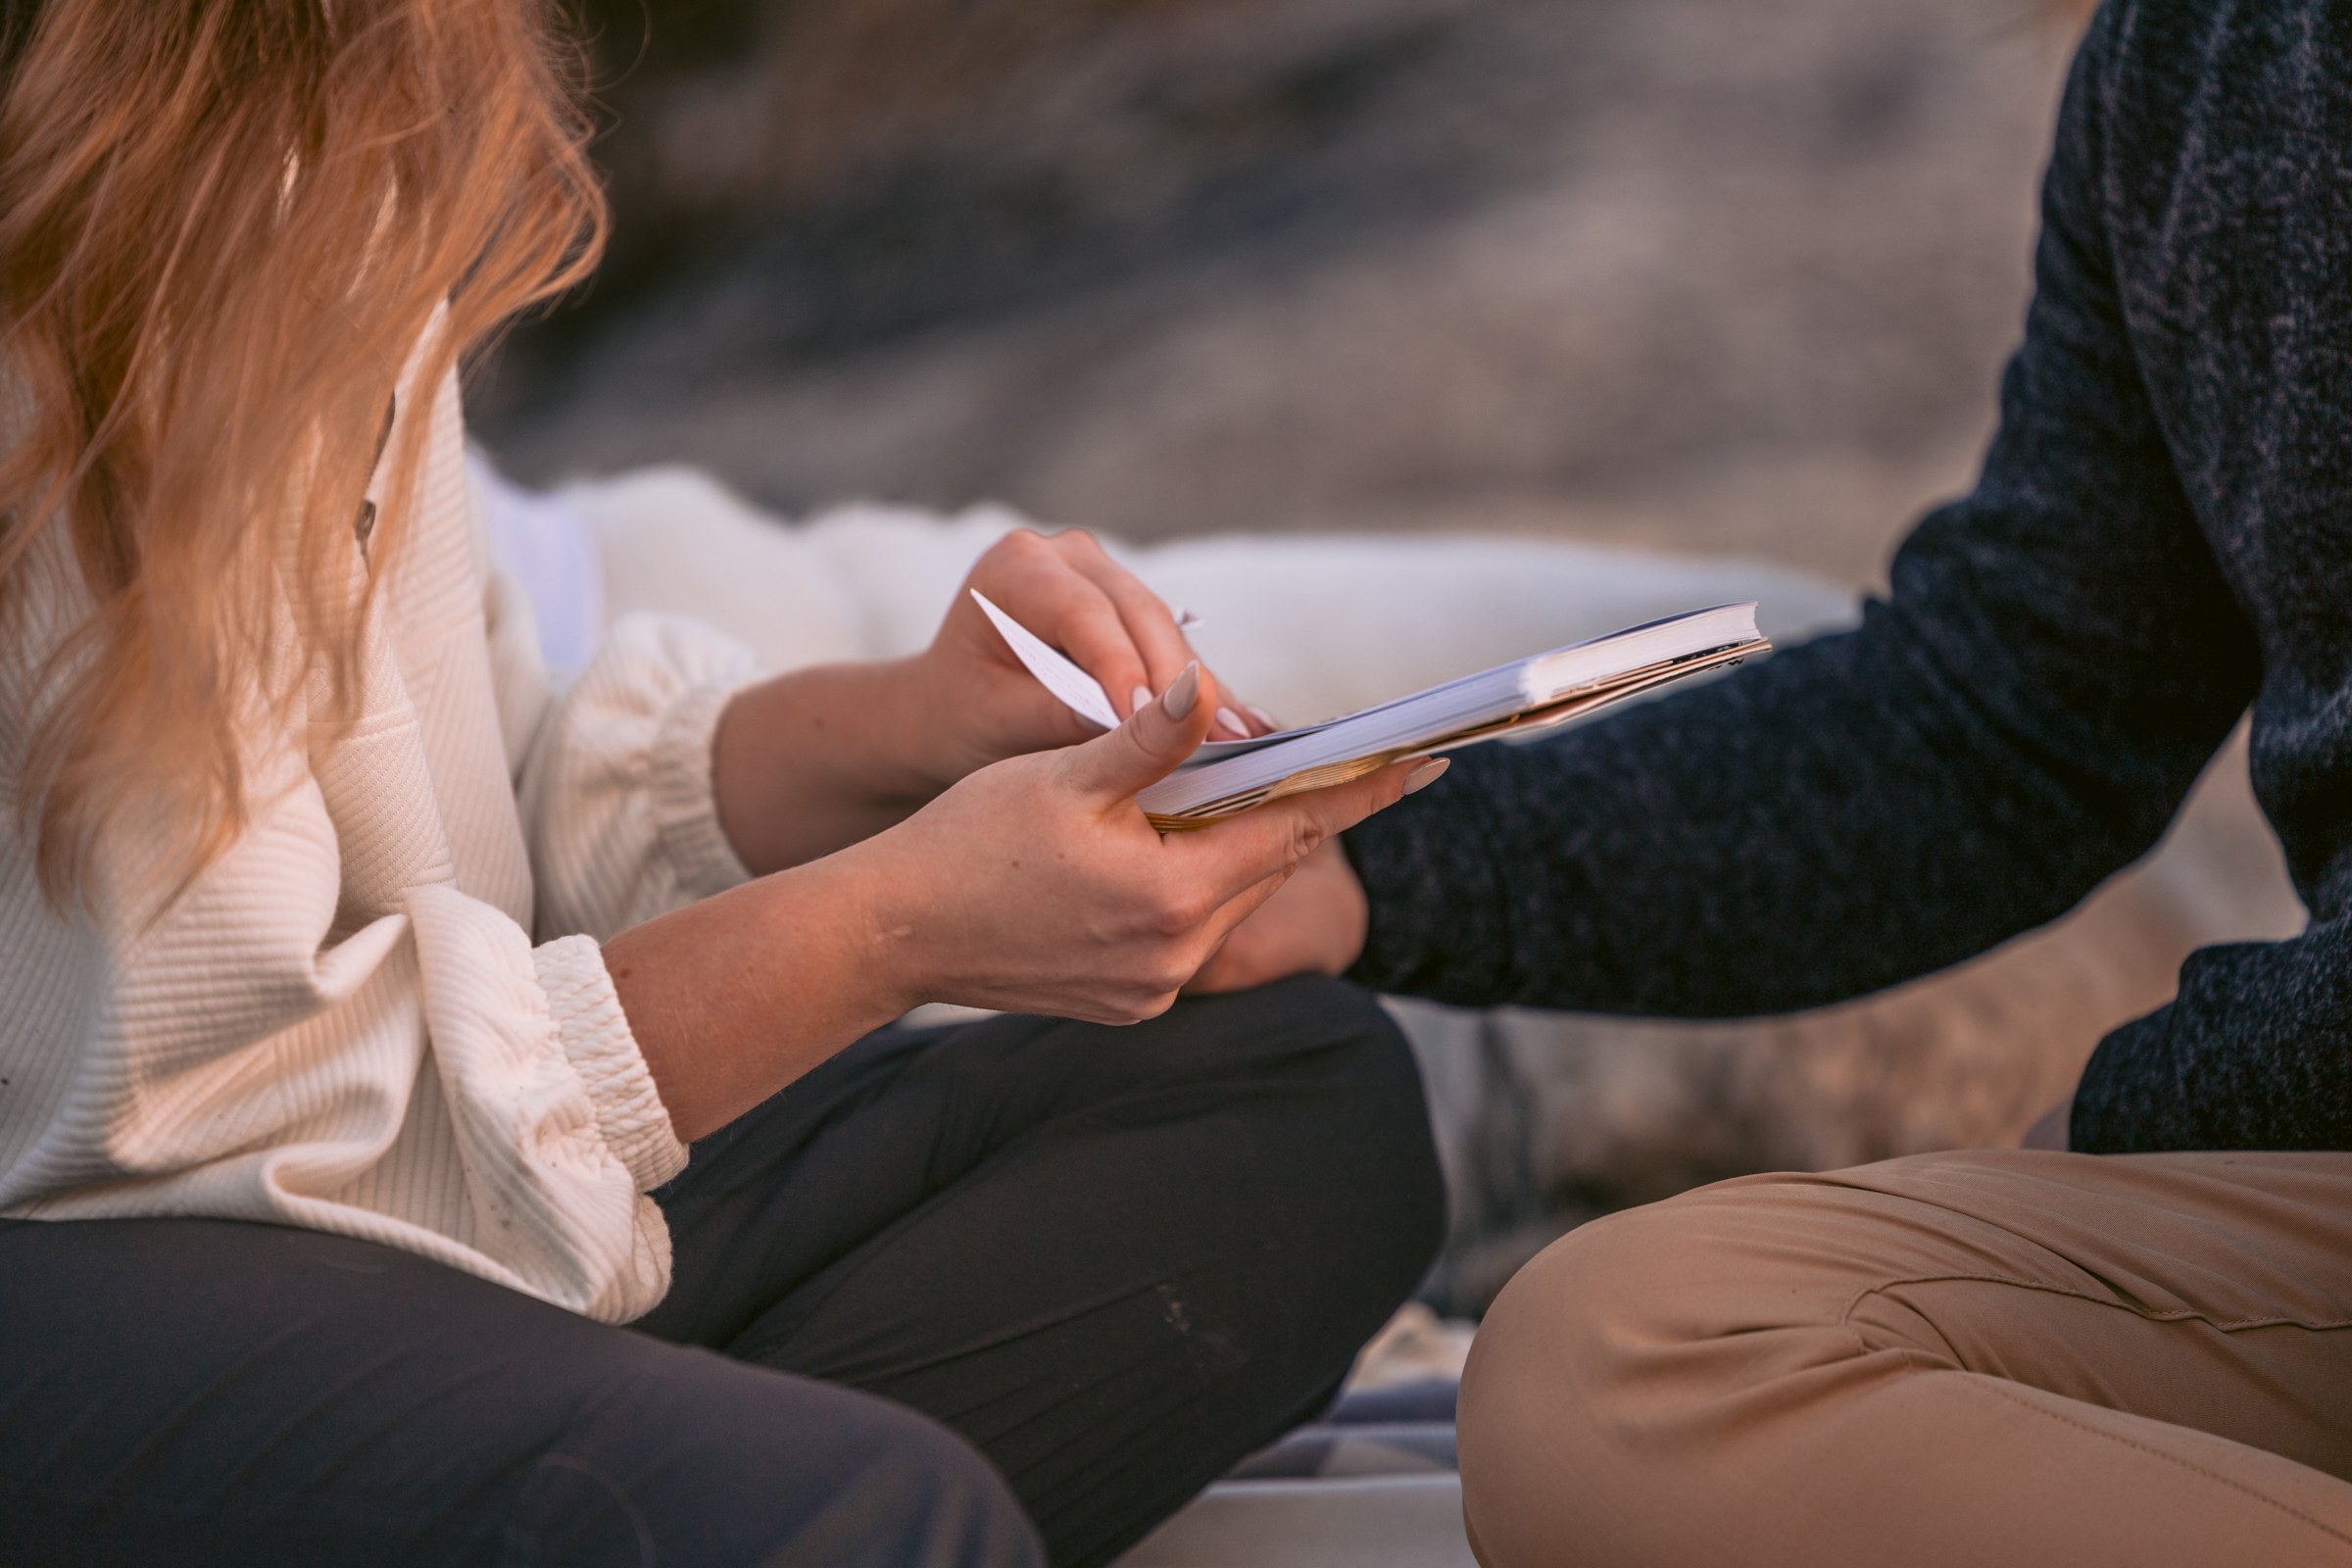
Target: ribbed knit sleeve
595, 1039
616, 787
341, 1022
329, 1029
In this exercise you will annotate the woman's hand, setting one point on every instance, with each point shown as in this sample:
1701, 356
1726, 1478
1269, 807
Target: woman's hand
980, 706
1315, 925
810, 761
1037, 885
1034, 884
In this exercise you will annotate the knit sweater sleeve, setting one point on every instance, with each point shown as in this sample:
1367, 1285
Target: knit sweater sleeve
2019, 719
339, 1023
612, 774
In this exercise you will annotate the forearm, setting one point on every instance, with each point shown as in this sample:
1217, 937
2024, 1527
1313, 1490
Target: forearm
733, 998
820, 759
1832, 822
2058, 656
1034, 885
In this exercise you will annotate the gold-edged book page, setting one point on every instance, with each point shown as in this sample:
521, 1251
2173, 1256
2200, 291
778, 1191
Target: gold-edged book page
1558, 711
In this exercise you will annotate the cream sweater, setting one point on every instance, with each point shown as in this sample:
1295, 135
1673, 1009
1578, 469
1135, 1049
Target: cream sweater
344, 1023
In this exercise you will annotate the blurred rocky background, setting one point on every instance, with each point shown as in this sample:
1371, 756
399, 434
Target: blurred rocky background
1719, 277
1706, 275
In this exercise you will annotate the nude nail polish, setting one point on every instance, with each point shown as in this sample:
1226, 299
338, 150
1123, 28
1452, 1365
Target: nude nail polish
1232, 723
1427, 773
1138, 697
1183, 692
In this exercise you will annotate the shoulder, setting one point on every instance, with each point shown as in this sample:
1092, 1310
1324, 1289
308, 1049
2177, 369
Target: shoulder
2213, 101
2213, 138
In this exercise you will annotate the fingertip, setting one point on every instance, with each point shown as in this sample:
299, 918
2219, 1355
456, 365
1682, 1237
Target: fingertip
1430, 770
1366, 798
1184, 692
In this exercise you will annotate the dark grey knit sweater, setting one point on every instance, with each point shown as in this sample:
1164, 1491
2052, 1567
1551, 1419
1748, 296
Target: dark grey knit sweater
2162, 537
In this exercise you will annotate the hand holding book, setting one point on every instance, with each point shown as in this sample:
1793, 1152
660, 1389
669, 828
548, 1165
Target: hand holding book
1223, 778
825, 756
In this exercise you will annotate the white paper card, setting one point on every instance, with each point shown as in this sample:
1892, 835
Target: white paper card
1078, 690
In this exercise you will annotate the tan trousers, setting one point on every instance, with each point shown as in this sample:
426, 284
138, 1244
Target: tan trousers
1973, 1358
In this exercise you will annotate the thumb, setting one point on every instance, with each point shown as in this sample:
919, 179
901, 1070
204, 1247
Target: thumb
1150, 746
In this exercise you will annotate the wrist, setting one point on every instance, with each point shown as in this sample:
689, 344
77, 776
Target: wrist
918, 753
811, 760
732, 997
881, 895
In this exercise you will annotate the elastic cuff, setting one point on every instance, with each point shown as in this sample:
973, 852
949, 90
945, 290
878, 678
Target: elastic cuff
685, 807
596, 1036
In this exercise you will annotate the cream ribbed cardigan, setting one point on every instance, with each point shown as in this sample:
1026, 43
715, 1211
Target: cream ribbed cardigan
344, 1023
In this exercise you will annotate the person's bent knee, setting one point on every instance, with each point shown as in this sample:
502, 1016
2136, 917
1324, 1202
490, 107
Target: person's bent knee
1315, 1114
925, 1497
1545, 1374
1594, 1369
1282, 1017
725, 1464
1392, 1157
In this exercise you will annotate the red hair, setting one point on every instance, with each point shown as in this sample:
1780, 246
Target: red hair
222, 229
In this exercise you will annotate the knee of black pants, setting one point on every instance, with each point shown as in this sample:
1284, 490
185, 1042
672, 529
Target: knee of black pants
712, 1462
1399, 1148
1367, 1121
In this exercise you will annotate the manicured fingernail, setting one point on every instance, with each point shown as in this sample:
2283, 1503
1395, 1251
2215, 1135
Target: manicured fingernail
1139, 699
1427, 773
1232, 721
1183, 692
1262, 716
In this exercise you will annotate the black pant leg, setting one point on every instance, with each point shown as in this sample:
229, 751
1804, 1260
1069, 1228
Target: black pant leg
1116, 1259
185, 1393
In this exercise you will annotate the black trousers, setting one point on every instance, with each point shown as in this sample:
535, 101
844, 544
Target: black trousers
955, 1291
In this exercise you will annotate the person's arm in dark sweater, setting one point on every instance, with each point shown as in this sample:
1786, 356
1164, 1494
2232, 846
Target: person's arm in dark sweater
2020, 719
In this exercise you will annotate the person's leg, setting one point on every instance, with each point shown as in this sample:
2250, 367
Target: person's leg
1116, 1259
1954, 1359
192, 1392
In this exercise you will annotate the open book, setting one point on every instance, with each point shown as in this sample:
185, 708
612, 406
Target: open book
1224, 777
